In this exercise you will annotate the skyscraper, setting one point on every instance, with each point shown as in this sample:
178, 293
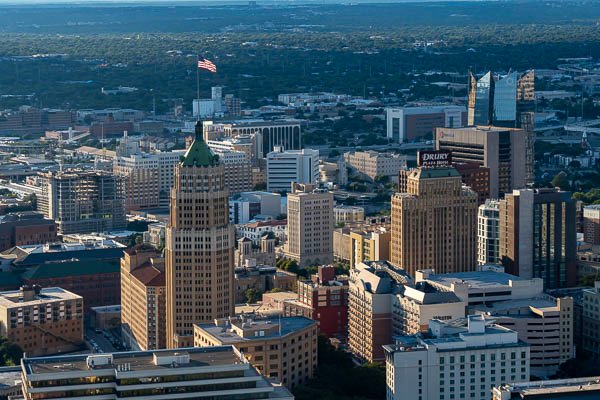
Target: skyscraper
487, 233
538, 236
434, 223
199, 245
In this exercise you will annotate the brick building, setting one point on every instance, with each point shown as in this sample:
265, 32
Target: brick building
24, 228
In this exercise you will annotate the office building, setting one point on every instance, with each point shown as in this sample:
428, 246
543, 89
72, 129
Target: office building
310, 225
591, 321
591, 224
537, 236
488, 233
434, 223
372, 164
247, 205
143, 300
454, 362
199, 245
573, 388
370, 294
82, 201
408, 124
343, 214
42, 321
140, 179
324, 299
238, 170
503, 150
335, 173
287, 166
25, 228
476, 177
191, 373
284, 349
371, 244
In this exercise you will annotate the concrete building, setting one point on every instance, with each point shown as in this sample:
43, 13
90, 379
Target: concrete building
257, 229
42, 321
284, 349
140, 179
82, 201
407, 124
238, 170
503, 150
488, 233
199, 245
247, 205
455, 362
591, 224
370, 245
591, 321
189, 373
310, 225
370, 291
10, 382
335, 173
434, 224
575, 388
261, 278
537, 236
476, 177
287, 166
25, 228
143, 300
372, 164
324, 299
343, 214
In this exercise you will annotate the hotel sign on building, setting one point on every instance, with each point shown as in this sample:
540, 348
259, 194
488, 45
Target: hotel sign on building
435, 159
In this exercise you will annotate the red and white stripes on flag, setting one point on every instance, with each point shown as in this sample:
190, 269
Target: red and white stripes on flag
208, 65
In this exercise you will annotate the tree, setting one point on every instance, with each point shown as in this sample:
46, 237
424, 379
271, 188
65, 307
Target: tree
10, 353
561, 181
252, 296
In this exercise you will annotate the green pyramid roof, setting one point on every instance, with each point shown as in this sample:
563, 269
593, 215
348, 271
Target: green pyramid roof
199, 154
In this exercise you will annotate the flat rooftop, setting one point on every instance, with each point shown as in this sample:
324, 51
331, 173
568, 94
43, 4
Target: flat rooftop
576, 388
478, 279
136, 360
14, 298
286, 326
8, 377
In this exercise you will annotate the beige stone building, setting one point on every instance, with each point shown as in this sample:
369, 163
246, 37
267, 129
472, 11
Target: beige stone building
42, 321
372, 164
283, 349
199, 245
310, 225
434, 224
370, 245
140, 178
143, 298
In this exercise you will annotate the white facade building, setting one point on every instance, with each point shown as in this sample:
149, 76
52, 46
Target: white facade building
243, 208
285, 167
454, 362
406, 124
488, 233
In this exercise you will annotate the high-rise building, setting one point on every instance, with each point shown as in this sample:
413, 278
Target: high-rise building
476, 177
191, 373
199, 245
434, 223
310, 225
488, 233
370, 294
42, 321
406, 124
83, 201
591, 224
455, 362
238, 170
140, 178
284, 349
503, 150
538, 237
287, 166
143, 298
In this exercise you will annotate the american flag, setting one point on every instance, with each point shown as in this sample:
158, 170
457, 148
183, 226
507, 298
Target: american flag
203, 63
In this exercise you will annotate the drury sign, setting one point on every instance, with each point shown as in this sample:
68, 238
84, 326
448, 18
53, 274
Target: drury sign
435, 158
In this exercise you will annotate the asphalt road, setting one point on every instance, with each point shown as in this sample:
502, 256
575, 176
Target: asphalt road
102, 342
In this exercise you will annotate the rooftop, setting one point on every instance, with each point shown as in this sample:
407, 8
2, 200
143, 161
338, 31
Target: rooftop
565, 389
199, 154
9, 376
478, 279
14, 298
72, 268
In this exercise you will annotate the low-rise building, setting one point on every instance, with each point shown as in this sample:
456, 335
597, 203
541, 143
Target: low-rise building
42, 321
372, 244
372, 164
255, 230
24, 228
455, 362
186, 373
287, 166
260, 279
343, 214
574, 388
284, 349
243, 207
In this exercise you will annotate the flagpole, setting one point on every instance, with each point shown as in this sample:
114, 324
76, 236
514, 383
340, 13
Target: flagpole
198, 88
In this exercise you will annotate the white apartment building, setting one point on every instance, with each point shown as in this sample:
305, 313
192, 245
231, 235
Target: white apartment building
488, 233
455, 362
373, 164
344, 214
287, 166
247, 205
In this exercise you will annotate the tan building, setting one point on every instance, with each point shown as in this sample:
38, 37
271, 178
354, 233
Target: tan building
503, 150
372, 164
199, 245
143, 298
140, 178
284, 349
42, 321
371, 286
344, 214
434, 224
310, 225
371, 245
591, 224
